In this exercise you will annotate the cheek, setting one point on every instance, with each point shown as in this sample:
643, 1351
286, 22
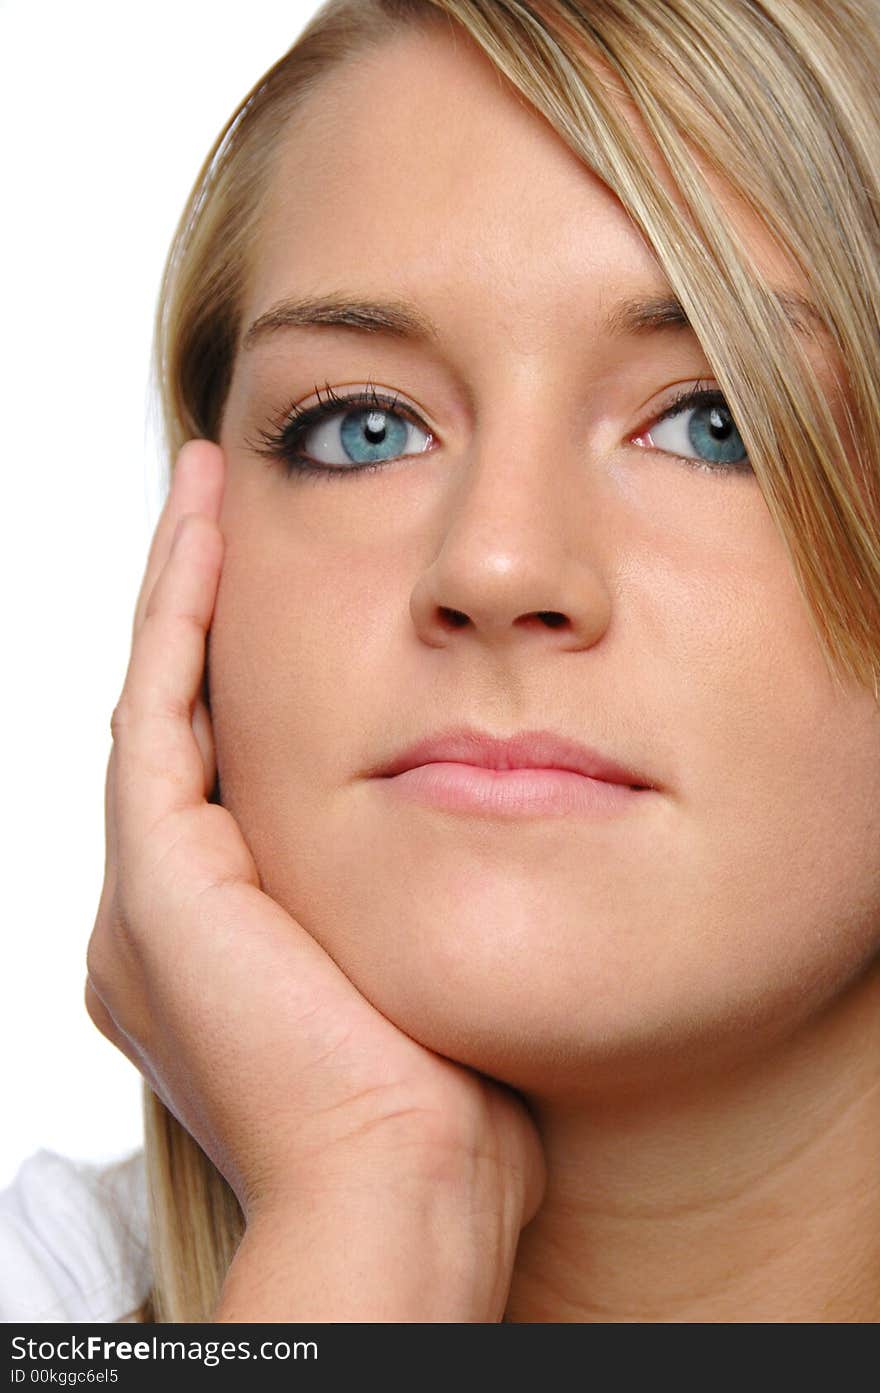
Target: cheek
777, 845
291, 659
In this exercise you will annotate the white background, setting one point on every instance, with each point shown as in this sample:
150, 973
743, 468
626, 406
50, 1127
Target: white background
106, 112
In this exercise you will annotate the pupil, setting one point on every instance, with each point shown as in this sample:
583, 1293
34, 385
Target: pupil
375, 427
717, 424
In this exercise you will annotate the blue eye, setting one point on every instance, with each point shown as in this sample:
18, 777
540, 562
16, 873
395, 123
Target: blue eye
366, 435
345, 434
698, 426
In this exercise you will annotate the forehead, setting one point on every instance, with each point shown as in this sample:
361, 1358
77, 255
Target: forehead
417, 166
419, 161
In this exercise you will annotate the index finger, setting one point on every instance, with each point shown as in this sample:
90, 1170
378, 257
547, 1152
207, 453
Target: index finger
196, 487
157, 764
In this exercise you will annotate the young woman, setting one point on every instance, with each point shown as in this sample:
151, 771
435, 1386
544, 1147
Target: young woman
492, 899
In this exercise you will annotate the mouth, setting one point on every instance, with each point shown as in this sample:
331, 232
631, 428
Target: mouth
533, 773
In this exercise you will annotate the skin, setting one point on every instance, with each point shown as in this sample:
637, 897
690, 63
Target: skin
685, 995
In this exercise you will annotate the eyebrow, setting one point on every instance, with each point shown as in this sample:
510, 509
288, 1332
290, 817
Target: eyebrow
639, 316
342, 311
658, 312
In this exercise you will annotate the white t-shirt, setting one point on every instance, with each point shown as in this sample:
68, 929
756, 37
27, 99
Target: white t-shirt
73, 1240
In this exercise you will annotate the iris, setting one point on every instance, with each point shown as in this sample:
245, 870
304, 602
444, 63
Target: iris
372, 435
714, 436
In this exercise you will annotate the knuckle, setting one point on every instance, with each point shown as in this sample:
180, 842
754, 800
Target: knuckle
108, 943
120, 719
171, 707
95, 1008
159, 704
167, 621
97, 964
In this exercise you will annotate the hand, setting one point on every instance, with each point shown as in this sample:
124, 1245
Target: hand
288, 1078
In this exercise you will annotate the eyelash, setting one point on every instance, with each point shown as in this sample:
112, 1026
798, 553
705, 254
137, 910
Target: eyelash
278, 444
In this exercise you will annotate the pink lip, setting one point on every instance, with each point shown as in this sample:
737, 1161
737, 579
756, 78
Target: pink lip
531, 772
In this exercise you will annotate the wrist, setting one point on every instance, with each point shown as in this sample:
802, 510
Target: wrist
370, 1256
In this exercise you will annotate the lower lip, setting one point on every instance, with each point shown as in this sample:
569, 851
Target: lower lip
512, 792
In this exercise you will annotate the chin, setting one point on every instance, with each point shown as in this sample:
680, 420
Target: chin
509, 976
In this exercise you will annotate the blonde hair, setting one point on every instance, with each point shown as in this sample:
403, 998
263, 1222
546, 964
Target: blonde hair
779, 98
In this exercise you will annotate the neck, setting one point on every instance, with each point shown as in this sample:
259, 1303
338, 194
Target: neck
750, 1197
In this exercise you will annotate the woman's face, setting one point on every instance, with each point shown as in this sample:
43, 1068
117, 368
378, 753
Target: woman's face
360, 612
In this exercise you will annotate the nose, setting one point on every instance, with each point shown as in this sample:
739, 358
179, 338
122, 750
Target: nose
518, 559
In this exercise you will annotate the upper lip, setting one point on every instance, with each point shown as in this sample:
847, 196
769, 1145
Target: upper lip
527, 749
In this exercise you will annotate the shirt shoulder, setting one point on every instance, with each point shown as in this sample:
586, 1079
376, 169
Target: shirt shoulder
74, 1240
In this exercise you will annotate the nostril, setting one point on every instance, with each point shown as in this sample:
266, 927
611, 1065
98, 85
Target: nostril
551, 617
453, 617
